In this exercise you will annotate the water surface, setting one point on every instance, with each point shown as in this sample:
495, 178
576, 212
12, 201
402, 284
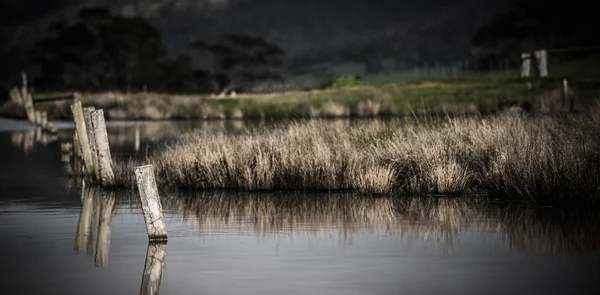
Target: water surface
58, 237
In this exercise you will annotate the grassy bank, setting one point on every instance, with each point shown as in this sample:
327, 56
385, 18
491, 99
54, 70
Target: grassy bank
483, 95
539, 158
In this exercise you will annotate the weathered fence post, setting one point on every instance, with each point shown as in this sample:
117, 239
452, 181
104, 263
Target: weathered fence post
77, 171
24, 92
153, 268
566, 97
137, 137
76, 96
29, 110
27, 99
87, 116
82, 137
155, 224
16, 97
66, 150
541, 61
107, 176
525, 64
38, 118
76, 146
44, 120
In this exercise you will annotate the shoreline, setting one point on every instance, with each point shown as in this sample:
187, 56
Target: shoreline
458, 97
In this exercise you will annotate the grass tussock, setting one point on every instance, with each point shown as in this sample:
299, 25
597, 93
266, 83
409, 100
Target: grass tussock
510, 156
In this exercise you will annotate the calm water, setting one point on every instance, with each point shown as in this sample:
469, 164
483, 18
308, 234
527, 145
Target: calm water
57, 238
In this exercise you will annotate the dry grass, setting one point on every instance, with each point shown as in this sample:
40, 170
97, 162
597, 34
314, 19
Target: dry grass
540, 158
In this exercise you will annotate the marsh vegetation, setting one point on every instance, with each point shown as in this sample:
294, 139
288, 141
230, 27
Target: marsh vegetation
546, 158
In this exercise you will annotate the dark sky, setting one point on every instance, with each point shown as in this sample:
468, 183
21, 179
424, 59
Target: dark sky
298, 25
313, 32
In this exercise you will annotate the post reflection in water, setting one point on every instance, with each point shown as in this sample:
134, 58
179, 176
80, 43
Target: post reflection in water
27, 139
83, 227
291, 217
523, 228
153, 268
94, 240
94, 233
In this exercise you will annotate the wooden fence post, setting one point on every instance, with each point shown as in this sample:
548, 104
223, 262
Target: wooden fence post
525, 64
29, 109
566, 97
76, 146
82, 137
15, 96
44, 120
137, 137
38, 118
87, 116
155, 224
24, 92
77, 156
541, 62
107, 176
66, 150
27, 99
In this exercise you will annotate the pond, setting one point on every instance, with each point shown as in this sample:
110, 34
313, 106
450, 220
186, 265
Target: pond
59, 237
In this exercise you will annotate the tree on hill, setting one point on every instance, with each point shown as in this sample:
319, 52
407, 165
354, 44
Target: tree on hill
99, 51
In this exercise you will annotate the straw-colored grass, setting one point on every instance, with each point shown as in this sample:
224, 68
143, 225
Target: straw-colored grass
542, 158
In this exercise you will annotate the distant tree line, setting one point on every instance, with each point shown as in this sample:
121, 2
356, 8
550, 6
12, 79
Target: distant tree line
102, 51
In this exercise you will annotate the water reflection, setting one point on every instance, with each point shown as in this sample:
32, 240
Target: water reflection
94, 227
98, 208
290, 217
340, 217
522, 227
153, 268
286, 216
526, 228
27, 139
